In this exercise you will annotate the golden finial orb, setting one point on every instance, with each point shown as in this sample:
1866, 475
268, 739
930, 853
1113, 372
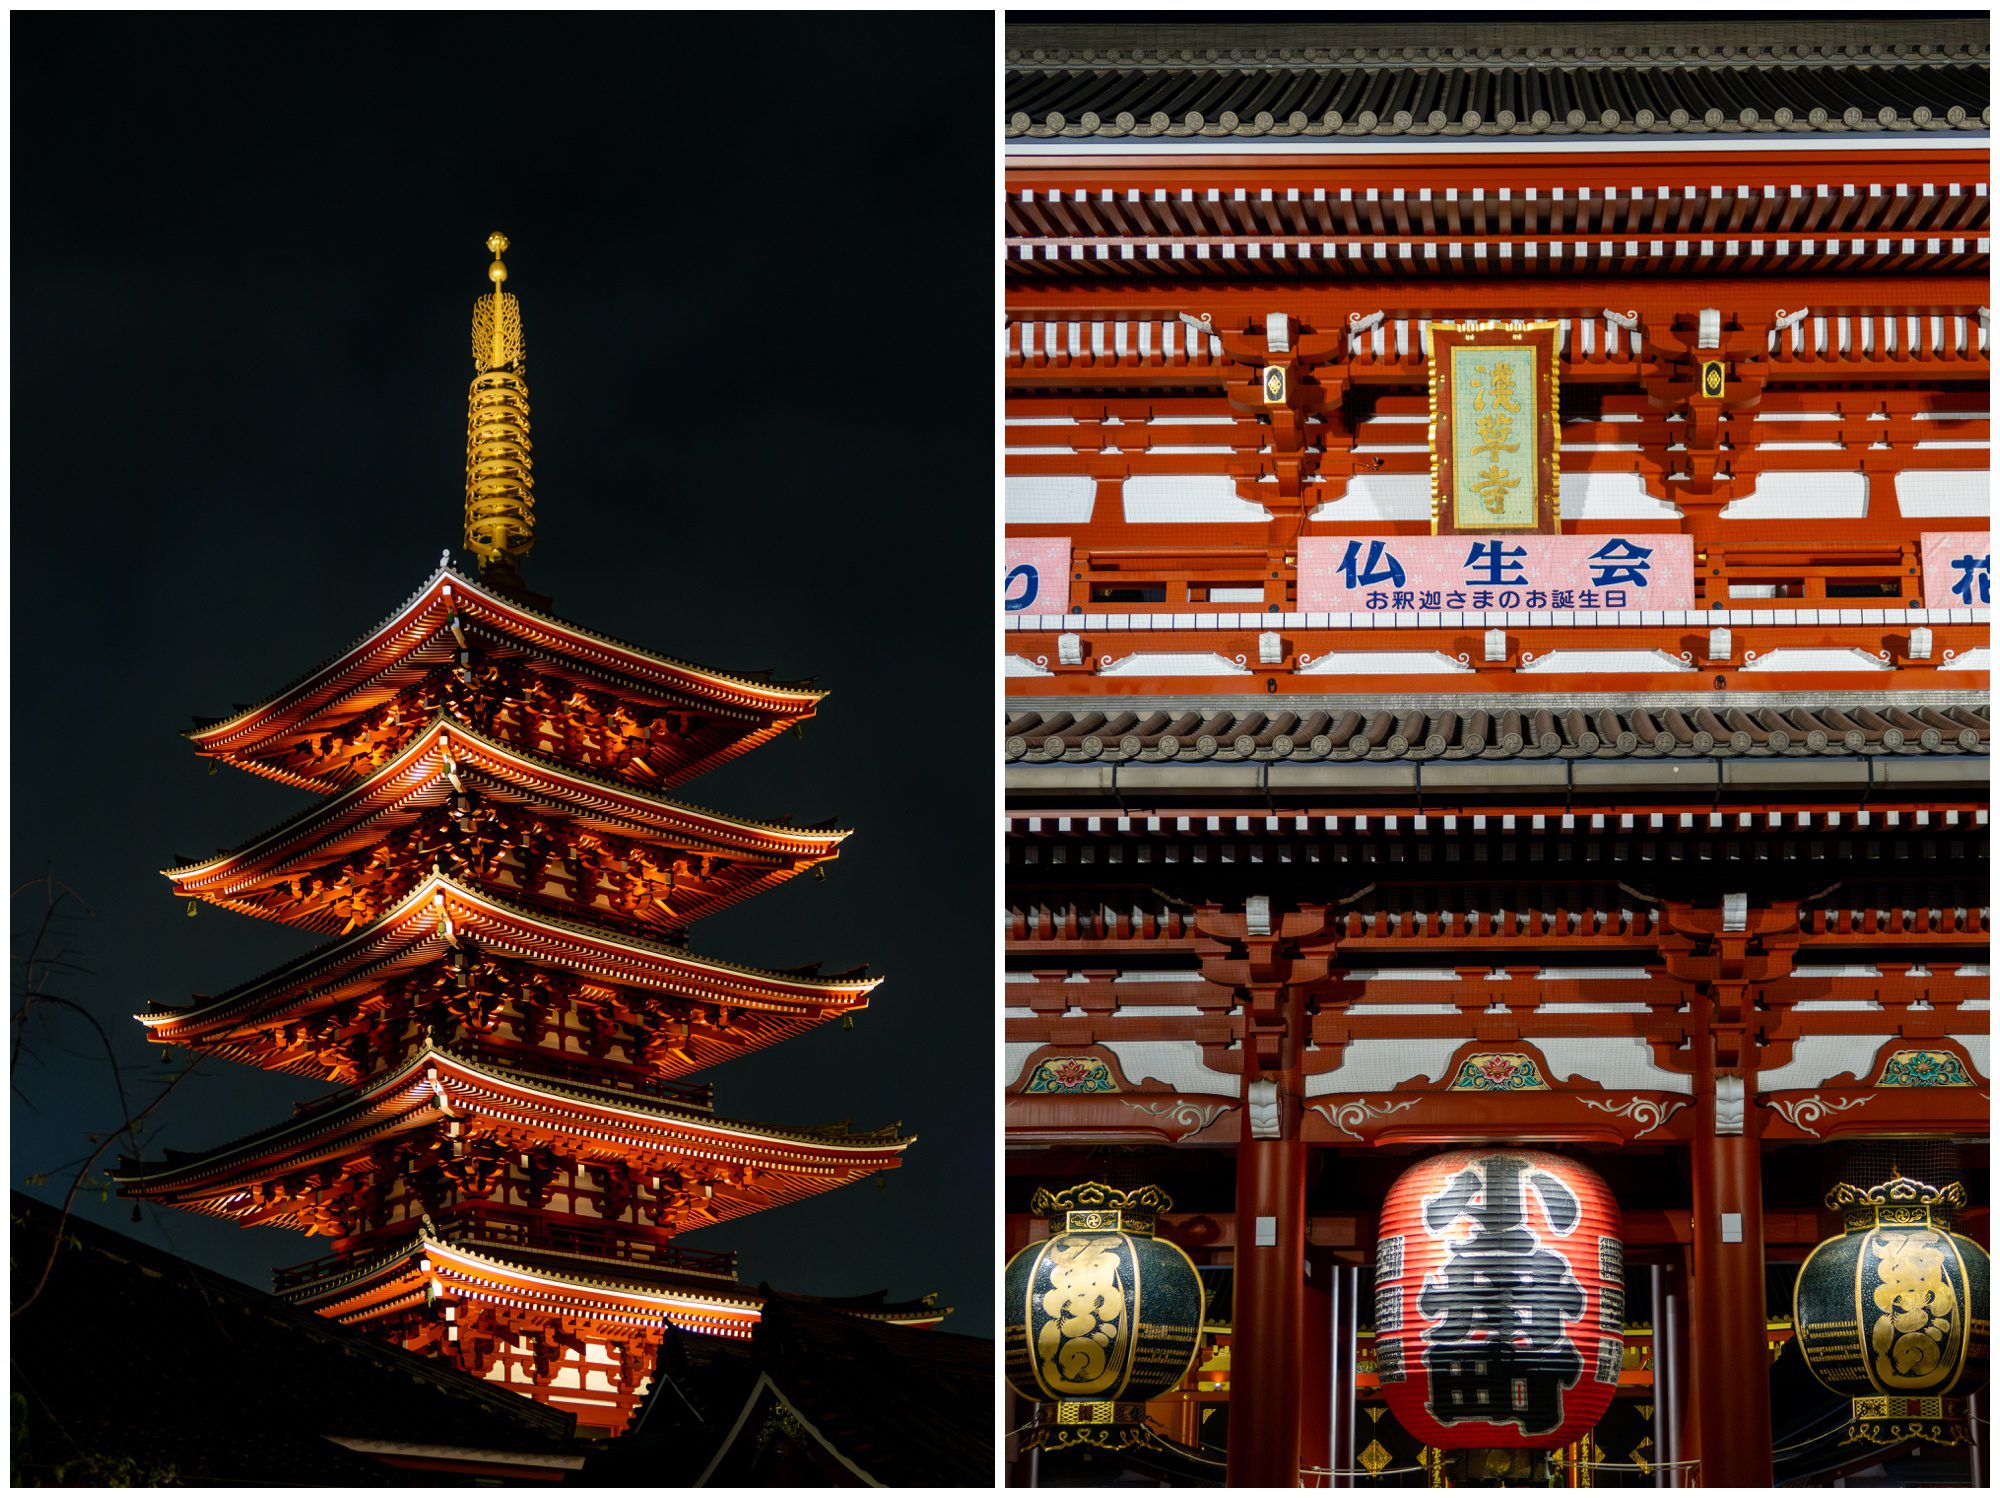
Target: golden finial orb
496, 272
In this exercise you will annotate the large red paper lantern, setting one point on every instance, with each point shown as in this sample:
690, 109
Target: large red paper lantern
1499, 1299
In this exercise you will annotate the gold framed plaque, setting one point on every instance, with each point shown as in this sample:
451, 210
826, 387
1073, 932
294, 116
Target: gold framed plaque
1495, 427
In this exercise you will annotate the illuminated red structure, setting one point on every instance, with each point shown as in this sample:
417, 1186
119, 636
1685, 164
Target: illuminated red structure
505, 882
1326, 847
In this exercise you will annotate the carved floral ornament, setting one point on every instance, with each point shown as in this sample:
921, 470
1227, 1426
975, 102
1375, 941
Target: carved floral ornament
1071, 1076
1924, 1068
1498, 1071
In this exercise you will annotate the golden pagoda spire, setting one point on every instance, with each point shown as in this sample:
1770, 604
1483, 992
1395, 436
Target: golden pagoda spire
499, 474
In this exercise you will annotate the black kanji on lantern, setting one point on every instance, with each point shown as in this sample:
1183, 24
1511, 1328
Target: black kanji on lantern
1498, 1352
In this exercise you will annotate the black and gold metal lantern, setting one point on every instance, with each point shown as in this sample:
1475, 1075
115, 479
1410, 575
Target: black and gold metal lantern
1101, 1316
1893, 1313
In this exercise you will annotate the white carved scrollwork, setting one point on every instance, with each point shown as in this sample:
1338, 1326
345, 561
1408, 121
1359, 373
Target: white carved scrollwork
1191, 1116
1261, 1102
1729, 1105
1359, 1111
1802, 1112
1652, 1112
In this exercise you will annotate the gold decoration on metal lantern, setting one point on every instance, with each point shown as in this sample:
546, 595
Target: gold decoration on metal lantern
1894, 1313
499, 473
1101, 1316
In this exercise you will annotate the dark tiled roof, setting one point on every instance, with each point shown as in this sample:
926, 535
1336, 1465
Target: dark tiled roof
911, 1407
1500, 732
239, 1388
1544, 77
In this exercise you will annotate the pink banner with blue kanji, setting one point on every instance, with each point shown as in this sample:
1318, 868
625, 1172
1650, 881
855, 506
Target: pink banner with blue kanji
1958, 569
1035, 575
1415, 574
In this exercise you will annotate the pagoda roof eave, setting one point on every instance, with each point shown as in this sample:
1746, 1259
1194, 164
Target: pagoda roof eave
370, 797
418, 909
446, 592
432, 1245
333, 1123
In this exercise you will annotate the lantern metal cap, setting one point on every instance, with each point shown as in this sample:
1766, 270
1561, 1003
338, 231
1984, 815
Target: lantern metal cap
1092, 1206
1899, 1201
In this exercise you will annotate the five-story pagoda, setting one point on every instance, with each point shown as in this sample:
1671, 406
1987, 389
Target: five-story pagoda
507, 987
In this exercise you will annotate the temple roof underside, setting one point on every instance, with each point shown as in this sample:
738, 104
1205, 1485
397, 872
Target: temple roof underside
300, 871
607, 1291
441, 914
751, 1166
714, 717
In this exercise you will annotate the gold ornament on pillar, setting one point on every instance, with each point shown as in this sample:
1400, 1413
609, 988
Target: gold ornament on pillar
499, 473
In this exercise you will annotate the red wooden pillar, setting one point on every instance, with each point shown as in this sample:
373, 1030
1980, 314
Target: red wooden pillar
1316, 1383
1731, 1381
1267, 1345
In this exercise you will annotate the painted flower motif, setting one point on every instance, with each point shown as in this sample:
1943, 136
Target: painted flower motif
1070, 1074
1497, 1068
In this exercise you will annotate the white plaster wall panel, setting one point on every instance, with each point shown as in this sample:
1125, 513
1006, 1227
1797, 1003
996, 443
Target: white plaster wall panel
1590, 974
1186, 498
1066, 499
1363, 1006
1594, 1008
1013, 1013
1384, 663
1018, 1053
1380, 496
1815, 1058
1402, 974
1812, 658
1802, 496
1976, 659
1177, 1063
1379, 1065
1020, 665
1607, 662
1976, 1046
1611, 1061
1170, 663
1924, 492
1611, 496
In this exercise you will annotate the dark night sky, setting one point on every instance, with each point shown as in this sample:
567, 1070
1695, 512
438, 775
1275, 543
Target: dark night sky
754, 262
